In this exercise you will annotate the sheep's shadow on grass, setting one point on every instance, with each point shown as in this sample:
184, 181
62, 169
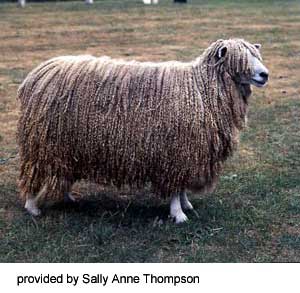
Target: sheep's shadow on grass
141, 208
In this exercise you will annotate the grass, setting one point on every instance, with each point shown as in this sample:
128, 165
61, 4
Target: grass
254, 215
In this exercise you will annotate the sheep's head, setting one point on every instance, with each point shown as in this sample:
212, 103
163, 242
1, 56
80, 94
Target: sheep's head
242, 61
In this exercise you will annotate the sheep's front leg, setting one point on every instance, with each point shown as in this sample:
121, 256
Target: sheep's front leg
185, 203
176, 210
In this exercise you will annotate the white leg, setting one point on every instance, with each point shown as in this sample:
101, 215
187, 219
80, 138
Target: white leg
176, 211
31, 207
185, 203
31, 203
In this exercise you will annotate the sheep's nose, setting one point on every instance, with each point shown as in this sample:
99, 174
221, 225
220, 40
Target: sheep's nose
264, 75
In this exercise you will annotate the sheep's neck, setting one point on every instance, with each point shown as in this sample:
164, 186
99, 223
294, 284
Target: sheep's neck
221, 96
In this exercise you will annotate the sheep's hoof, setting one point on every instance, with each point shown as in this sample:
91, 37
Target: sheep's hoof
187, 206
35, 212
180, 218
31, 207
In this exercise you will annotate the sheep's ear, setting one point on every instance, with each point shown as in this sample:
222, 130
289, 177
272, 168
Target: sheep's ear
257, 46
222, 52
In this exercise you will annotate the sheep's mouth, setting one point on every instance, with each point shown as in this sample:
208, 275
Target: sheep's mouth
258, 82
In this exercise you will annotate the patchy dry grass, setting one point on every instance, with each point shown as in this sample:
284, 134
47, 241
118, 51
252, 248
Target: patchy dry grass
254, 216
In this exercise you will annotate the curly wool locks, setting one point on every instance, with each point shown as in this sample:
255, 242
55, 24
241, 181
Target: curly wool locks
117, 122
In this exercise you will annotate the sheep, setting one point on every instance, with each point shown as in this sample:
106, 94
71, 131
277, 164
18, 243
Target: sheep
22, 3
116, 122
150, 1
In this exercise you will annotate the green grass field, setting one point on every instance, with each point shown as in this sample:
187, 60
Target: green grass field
254, 215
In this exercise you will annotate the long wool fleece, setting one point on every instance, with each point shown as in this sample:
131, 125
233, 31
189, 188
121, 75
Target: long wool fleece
116, 122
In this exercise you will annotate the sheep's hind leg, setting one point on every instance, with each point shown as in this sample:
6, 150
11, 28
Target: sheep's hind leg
31, 204
176, 210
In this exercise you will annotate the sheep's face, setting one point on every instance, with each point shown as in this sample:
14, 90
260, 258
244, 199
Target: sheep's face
244, 63
259, 73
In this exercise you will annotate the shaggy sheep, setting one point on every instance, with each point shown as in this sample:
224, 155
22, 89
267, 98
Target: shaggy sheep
89, 2
22, 3
116, 122
151, 1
